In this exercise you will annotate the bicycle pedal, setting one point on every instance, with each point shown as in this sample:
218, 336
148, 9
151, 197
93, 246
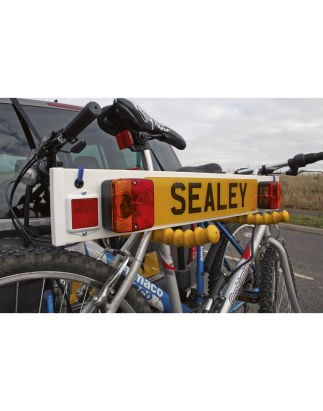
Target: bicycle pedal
251, 297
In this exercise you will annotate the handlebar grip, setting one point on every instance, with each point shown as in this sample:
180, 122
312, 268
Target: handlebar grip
301, 160
84, 118
313, 157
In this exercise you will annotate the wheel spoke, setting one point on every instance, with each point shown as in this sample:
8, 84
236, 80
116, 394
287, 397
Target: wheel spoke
42, 295
17, 288
84, 298
66, 283
125, 306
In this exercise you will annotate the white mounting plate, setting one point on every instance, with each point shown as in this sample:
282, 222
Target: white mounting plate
62, 186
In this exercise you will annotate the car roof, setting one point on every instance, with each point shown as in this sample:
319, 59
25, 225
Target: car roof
42, 103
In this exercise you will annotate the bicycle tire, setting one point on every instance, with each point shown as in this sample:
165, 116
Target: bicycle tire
29, 265
273, 293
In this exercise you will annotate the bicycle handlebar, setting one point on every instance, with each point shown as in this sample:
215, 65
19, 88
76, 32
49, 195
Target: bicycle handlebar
301, 160
83, 119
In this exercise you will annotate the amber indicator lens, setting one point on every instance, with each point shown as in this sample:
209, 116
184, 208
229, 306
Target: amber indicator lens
132, 205
269, 195
124, 140
85, 213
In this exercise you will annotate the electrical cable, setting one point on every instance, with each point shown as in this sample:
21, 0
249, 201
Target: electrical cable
23, 229
17, 224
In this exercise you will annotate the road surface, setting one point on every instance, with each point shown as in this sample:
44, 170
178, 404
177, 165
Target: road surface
306, 253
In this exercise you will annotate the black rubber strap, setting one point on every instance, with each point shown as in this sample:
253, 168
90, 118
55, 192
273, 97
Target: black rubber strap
17, 106
26, 130
160, 166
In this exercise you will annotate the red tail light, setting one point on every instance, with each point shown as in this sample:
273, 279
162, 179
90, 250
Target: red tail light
124, 140
269, 195
127, 205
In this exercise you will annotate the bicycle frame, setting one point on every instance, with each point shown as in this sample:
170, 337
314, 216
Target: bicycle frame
170, 301
167, 301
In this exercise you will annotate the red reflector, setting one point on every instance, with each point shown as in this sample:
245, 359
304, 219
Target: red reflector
124, 140
85, 213
132, 205
269, 195
65, 106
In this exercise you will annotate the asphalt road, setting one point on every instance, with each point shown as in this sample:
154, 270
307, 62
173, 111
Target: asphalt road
306, 253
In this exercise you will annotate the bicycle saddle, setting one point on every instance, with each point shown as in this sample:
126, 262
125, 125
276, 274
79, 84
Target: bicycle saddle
126, 115
207, 168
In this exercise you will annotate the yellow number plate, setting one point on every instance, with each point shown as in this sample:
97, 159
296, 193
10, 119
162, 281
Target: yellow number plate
181, 200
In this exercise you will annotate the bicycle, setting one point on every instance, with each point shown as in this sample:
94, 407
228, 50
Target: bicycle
114, 287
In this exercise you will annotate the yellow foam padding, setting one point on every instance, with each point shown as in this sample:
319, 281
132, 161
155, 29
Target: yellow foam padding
258, 219
188, 238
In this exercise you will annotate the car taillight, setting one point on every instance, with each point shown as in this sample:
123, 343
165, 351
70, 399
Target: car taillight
127, 205
124, 140
65, 106
269, 195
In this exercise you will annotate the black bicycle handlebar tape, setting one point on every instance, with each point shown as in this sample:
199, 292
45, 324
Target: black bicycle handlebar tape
301, 160
83, 119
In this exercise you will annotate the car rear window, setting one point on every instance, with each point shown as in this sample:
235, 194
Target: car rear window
101, 152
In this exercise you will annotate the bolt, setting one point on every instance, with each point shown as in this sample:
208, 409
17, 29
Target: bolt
84, 233
83, 193
112, 291
136, 226
135, 182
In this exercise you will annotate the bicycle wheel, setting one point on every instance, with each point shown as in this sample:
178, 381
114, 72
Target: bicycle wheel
273, 293
26, 274
227, 258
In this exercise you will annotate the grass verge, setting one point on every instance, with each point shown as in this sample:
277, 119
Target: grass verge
304, 191
306, 221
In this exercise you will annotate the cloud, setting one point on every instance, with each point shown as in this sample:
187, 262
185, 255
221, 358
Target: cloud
237, 132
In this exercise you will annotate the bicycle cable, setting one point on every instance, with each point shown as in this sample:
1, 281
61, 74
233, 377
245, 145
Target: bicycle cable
22, 230
199, 307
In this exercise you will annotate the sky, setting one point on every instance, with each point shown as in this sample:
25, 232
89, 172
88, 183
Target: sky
236, 132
